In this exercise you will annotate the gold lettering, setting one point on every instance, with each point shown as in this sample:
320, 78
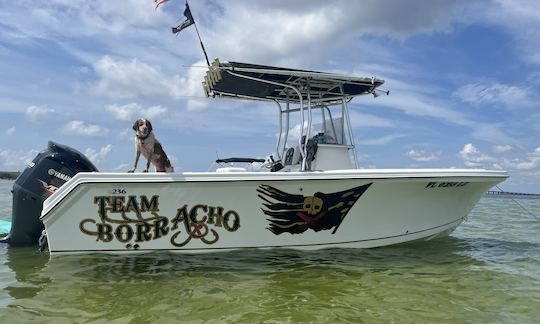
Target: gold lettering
132, 205
161, 227
117, 204
143, 232
196, 222
102, 202
123, 233
104, 232
215, 218
193, 214
84, 229
152, 205
235, 218
181, 215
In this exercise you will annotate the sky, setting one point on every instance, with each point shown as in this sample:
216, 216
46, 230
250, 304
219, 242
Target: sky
463, 78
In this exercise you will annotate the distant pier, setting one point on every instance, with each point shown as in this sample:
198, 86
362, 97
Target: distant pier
507, 194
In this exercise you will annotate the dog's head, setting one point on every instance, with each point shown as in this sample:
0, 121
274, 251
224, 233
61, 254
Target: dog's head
142, 127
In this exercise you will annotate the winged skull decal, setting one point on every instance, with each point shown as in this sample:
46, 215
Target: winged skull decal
296, 213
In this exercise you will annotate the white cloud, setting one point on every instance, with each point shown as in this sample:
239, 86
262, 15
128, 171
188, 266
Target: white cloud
135, 79
130, 79
117, 17
96, 17
473, 158
155, 111
97, 156
523, 167
304, 25
15, 159
502, 148
421, 156
240, 29
493, 93
79, 127
10, 131
132, 111
531, 162
38, 114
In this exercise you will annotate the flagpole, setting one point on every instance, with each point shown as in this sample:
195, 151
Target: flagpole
200, 40
202, 45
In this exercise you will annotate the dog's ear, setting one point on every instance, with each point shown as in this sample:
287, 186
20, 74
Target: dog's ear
136, 125
149, 124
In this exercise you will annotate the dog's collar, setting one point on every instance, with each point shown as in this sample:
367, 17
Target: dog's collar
143, 137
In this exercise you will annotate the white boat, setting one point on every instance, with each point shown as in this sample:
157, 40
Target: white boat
314, 195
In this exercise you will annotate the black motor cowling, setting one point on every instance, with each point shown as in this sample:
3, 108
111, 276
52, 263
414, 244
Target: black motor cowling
49, 170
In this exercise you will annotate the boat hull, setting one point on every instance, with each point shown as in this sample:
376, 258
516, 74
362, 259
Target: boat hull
206, 212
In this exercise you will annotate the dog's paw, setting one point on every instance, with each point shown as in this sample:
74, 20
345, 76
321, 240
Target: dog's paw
145, 170
131, 170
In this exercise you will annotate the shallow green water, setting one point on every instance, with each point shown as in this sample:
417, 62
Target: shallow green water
487, 271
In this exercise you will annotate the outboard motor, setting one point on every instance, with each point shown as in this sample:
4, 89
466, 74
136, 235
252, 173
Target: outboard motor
48, 171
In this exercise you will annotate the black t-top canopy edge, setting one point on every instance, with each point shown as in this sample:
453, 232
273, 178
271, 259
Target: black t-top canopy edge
243, 80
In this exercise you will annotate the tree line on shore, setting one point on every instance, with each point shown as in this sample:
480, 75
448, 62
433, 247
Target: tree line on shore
9, 175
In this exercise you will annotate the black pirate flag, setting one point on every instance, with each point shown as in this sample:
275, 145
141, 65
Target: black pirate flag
296, 213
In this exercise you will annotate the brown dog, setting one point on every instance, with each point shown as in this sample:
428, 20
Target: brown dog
147, 144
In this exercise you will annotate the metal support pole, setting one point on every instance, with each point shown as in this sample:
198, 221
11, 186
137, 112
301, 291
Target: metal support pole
346, 116
286, 125
308, 131
280, 128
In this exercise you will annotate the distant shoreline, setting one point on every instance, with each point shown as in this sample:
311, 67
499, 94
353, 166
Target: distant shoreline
9, 175
506, 194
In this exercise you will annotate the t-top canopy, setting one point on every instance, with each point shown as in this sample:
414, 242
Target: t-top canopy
242, 80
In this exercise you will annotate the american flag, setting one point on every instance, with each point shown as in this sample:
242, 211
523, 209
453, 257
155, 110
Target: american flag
159, 2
